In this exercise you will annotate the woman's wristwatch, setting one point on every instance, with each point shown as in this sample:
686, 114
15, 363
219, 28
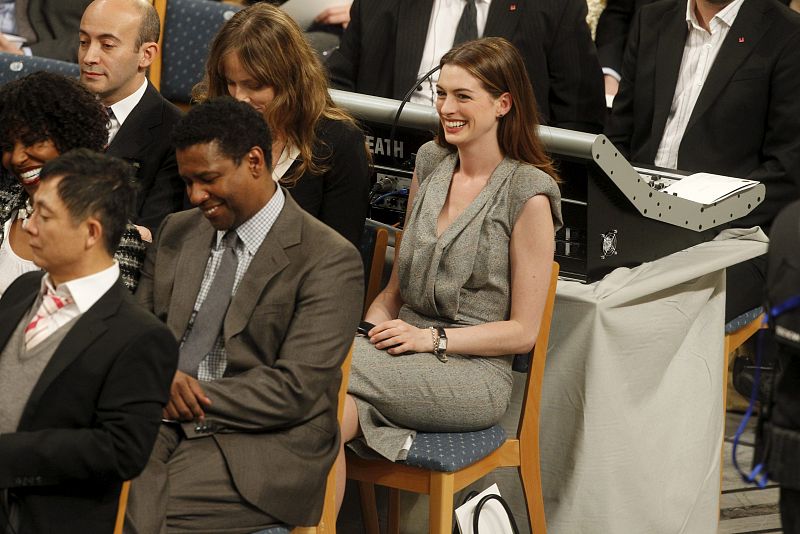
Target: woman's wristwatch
439, 343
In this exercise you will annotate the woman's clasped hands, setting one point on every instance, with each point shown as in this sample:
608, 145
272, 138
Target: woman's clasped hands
397, 337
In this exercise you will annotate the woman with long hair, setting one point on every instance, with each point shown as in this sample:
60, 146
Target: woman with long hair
469, 287
260, 57
42, 116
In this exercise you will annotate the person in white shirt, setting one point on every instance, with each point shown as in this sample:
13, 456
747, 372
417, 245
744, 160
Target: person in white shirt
712, 86
84, 370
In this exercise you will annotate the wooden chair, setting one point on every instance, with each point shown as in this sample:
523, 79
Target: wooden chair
327, 524
737, 332
521, 452
154, 74
122, 506
374, 241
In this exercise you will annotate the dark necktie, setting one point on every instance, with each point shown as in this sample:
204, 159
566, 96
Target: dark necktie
208, 321
467, 29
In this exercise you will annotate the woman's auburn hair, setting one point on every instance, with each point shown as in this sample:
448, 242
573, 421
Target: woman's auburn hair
497, 64
272, 49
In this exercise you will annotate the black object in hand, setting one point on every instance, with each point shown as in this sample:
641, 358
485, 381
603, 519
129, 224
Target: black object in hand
364, 327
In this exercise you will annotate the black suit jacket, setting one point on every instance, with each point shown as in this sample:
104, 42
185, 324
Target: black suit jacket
92, 417
612, 30
339, 196
144, 139
613, 27
746, 122
381, 51
56, 23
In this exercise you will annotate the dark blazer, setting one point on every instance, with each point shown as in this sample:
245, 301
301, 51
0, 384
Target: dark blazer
381, 51
287, 331
145, 140
56, 23
93, 416
613, 27
612, 30
746, 122
339, 196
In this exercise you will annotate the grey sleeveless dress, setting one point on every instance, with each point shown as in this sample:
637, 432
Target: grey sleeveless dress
460, 279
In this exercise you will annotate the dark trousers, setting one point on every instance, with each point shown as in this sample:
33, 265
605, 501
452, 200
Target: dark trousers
745, 284
790, 511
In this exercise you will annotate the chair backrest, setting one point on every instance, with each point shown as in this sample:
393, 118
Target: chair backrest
374, 241
13, 67
529, 416
188, 27
327, 523
121, 507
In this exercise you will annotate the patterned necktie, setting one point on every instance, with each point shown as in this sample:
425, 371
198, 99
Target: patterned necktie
209, 318
467, 29
42, 325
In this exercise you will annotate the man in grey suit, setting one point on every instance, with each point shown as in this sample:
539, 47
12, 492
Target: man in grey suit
250, 430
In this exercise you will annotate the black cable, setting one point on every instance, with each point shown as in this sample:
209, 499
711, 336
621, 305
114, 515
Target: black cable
477, 512
403, 102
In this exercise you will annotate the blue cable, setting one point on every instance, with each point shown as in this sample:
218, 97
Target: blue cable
759, 475
398, 193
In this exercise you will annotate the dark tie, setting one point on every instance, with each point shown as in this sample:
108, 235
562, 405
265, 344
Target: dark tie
208, 321
467, 29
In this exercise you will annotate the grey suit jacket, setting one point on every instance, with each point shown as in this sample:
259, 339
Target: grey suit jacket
287, 331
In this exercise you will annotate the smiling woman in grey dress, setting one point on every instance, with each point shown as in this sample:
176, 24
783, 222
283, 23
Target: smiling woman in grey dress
474, 264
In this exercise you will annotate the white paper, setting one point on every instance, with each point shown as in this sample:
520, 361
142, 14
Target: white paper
493, 518
305, 11
707, 188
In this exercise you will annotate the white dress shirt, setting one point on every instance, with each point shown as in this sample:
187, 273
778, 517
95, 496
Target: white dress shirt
289, 155
123, 108
445, 15
699, 52
83, 292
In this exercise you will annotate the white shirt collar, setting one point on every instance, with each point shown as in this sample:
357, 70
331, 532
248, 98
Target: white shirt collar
124, 107
726, 16
87, 290
288, 156
254, 230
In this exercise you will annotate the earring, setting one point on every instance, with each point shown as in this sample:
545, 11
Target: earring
500, 116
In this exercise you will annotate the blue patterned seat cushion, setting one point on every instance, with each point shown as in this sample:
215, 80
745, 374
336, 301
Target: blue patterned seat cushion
743, 319
450, 451
275, 530
189, 28
13, 67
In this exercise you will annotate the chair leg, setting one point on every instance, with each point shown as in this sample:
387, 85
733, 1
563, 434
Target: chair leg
531, 476
440, 518
369, 509
394, 511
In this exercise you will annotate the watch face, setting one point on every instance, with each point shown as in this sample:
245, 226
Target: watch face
443, 344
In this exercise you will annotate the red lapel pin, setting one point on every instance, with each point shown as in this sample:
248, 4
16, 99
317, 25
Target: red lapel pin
741, 39
512, 7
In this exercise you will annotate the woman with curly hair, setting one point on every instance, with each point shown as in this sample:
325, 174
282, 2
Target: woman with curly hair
260, 57
42, 116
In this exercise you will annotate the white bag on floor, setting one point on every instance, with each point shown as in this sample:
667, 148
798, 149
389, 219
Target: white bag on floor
493, 517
